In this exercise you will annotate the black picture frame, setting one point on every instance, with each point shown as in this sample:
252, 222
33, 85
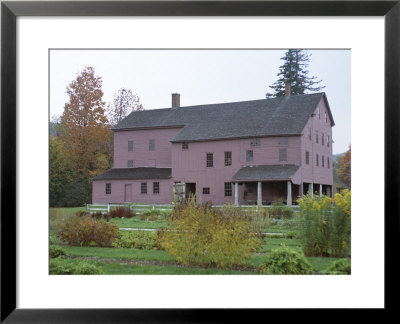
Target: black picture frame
10, 10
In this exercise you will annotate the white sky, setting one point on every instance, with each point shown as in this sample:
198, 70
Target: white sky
201, 77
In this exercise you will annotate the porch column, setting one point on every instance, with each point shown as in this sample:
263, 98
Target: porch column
328, 191
289, 193
259, 193
236, 194
301, 194
310, 189
320, 190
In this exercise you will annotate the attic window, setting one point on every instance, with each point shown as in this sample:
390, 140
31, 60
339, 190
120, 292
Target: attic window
210, 160
283, 141
185, 146
130, 146
152, 145
249, 156
255, 142
326, 118
316, 137
282, 155
228, 158
309, 133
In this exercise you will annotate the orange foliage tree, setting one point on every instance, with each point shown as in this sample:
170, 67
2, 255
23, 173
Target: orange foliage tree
344, 171
84, 128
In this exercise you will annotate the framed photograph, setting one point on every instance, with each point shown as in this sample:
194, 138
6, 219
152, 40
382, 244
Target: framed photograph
219, 60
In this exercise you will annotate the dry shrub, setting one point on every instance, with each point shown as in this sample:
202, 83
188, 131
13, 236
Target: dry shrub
86, 231
120, 212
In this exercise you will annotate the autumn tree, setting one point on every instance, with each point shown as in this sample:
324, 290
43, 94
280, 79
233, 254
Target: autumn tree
125, 101
344, 171
294, 71
84, 128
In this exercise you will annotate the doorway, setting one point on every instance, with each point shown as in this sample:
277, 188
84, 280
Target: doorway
128, 193
190, 189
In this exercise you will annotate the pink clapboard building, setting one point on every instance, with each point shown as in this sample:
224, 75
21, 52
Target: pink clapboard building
251, 152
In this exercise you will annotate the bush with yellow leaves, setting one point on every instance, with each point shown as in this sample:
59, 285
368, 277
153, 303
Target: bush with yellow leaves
325, 225
200, 235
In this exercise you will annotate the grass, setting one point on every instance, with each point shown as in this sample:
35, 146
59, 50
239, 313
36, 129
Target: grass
136, 222
118, 253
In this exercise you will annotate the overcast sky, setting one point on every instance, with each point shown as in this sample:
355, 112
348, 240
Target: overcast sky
201, 77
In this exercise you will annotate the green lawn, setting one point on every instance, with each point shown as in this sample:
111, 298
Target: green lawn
136, 222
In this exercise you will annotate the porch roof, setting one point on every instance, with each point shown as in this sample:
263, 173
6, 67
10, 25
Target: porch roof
135, 174
266, 172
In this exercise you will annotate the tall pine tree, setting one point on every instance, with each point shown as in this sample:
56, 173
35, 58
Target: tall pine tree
294, 71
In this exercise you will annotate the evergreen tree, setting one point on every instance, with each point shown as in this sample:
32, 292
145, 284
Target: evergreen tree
294, 71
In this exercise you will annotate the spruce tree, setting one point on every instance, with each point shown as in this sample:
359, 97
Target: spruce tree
294, 71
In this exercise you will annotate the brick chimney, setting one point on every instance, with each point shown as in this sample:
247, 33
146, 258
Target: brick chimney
176, 100
287, 89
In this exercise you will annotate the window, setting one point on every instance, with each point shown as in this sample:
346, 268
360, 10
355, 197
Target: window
130, 163
317, 160
282, 155
328, 162
309, 133
152, 145
249, 156
228, 189
143, 188
316, 136
251, 188
130, 146
307, 157
228, 158
210, 160
322, 139
255, 142
323, 161
156, 187
185, 146
206, 191
326, 118
283, 141
327, 141
108, 188
319, 113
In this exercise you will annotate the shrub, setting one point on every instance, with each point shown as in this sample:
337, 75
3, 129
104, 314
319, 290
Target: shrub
69, 267
136, 239
82, 213
342, 266
56, 251
291, 234
201, 235
120, 212
279, 210
325, 229
286, 261
150, 215
86, 231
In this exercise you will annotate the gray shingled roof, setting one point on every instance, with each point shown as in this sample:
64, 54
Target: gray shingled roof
265, 117
135, 174
266, 172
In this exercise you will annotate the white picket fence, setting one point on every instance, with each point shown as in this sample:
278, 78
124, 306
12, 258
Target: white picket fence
136, 208
140, 208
